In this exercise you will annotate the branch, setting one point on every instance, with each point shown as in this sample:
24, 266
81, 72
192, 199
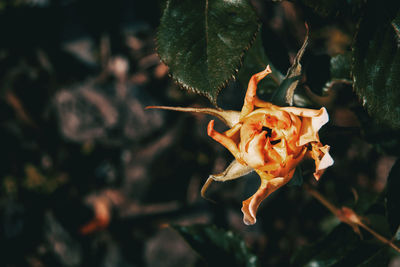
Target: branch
349, 217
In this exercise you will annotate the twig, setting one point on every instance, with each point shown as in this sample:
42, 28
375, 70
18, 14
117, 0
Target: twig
19, 109
349, 217
379, 237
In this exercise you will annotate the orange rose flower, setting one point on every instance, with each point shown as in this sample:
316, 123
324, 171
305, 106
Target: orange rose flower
268, 139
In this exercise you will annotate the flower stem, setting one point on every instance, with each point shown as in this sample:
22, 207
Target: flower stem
352, 219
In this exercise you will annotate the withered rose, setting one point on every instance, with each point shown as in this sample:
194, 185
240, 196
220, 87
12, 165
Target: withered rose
268, 139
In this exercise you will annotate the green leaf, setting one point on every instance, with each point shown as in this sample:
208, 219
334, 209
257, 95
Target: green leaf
393, 197
376, 63
340, 67
397, 235
380, 258
255, 61
283, 96
217, 246
328, 251
327, 7
297, 179
203, 42
342, 247
385, 139
333, 7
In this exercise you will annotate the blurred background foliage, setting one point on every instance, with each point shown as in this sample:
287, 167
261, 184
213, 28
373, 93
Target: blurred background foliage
89, 178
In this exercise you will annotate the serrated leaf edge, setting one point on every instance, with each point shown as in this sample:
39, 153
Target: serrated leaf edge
210, 97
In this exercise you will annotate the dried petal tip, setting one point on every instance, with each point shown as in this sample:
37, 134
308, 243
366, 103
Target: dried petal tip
325, 162
210, 128
247, 218
322, 159
268, 70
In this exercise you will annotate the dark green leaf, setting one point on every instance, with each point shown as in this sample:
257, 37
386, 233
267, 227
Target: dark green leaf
342, 247
376, 63
255, 61
385, 139
203, 42
327, 7
393, 197
340, 67
379, 222
283, 96
217, 246
397, 235
333, 7
380, 258
297, 179
328, 251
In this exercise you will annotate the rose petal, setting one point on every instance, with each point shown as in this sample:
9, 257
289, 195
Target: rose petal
254, 156
281, 149
223, 140
250, 205
322, 159
268, 186
311, 125
321, 119
326, 161
251, 95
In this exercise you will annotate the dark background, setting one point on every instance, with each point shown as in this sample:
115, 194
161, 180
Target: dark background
89, 178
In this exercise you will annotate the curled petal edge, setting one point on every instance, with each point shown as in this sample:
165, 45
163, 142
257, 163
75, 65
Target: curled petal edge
269, 184
267, 187
323, 163
312, 121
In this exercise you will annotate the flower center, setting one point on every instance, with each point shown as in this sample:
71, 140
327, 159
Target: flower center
269, 131
274, 142
269, 134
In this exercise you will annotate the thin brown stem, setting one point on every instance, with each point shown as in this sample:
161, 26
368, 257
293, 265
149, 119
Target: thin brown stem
322, 199
349, 217
229, 117
19, 108
379, 237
